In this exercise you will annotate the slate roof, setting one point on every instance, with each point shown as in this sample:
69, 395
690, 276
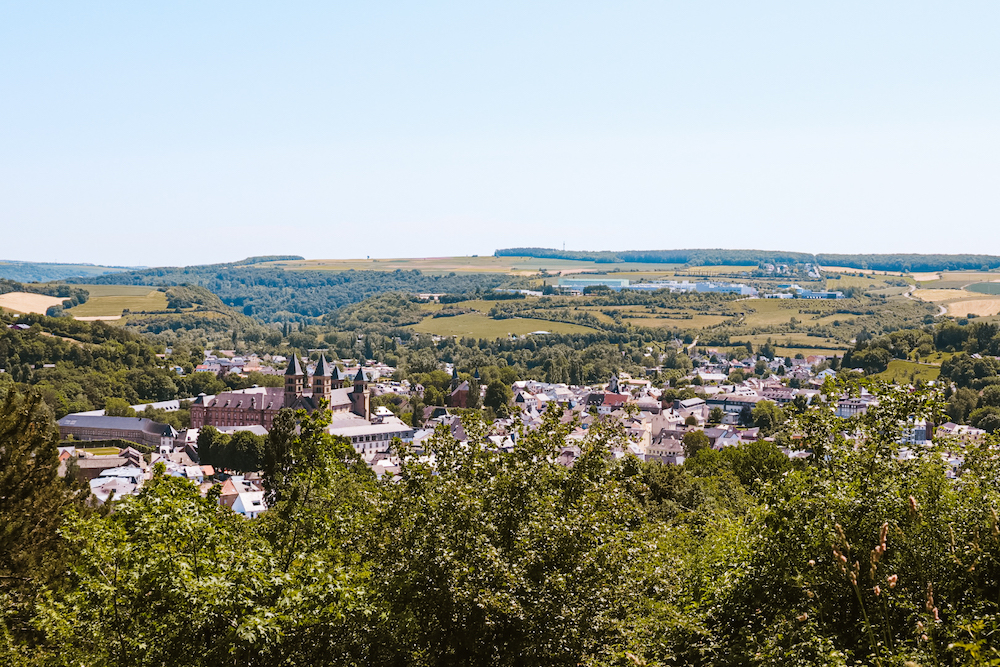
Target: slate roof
294, 366
324, 368
118, 423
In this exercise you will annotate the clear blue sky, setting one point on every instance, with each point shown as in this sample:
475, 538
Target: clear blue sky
192, 132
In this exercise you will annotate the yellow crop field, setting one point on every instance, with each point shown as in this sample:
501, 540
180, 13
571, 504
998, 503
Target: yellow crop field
980, 307
28, 302
935, 295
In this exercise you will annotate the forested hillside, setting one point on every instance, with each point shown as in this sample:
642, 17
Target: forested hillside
883, 262
276, 295
694, 257
43, 271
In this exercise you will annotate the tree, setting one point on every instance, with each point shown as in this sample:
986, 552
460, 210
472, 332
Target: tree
991, 395
715, 415
276, 458
245, 451
694, 442
498, 397
34, 503
962, 403
417, 411
475, 398
182, 569
211, 444
469, 542
118, 407
767, 416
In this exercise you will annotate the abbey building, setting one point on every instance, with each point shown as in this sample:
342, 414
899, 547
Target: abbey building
259, 405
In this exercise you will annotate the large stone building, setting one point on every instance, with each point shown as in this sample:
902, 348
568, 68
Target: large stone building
259, 405
134, 429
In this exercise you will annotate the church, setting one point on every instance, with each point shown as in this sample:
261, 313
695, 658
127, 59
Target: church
259, 405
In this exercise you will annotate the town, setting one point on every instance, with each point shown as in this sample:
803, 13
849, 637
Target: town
725, 401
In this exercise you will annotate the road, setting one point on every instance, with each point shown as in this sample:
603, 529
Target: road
942, 310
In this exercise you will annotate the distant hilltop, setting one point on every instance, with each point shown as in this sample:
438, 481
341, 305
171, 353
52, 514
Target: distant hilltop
40, 272
718, 256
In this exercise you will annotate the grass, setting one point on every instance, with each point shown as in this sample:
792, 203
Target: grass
101, 451
698, 321
938, 358
113, 305
901, 371
769, 312
984, 288
481, 326
795, 341
116, 290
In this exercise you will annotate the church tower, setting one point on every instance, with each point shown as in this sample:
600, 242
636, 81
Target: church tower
322, 382
295, 381
361, 397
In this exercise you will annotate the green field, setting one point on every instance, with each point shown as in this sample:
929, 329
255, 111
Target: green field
984, 288
901, 371
101, 451
768, 312
797, 342
111, 300
481, 326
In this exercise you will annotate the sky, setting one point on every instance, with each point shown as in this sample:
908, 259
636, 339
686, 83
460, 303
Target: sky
135, 133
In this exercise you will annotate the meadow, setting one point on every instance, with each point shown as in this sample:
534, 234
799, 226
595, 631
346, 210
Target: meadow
109, 301
478, 325
902, 371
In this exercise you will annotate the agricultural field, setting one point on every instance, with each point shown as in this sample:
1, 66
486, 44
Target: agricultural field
985, 288
771, 312
901, 371
969, 296
956, 279
697, 321
108, 301
848, 269
977, 307
796, 342
716, 270
28, 302
472, 264
477, 325
868, 281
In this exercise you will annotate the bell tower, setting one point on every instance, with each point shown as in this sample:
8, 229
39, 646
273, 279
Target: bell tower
322, 382
295, 381
361, 397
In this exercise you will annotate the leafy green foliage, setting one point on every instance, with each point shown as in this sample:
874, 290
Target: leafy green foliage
276, 295
34, 501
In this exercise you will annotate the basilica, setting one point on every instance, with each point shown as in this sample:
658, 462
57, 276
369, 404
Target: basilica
259, 405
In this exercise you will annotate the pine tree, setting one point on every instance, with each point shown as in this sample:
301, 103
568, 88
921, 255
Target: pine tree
34, 500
